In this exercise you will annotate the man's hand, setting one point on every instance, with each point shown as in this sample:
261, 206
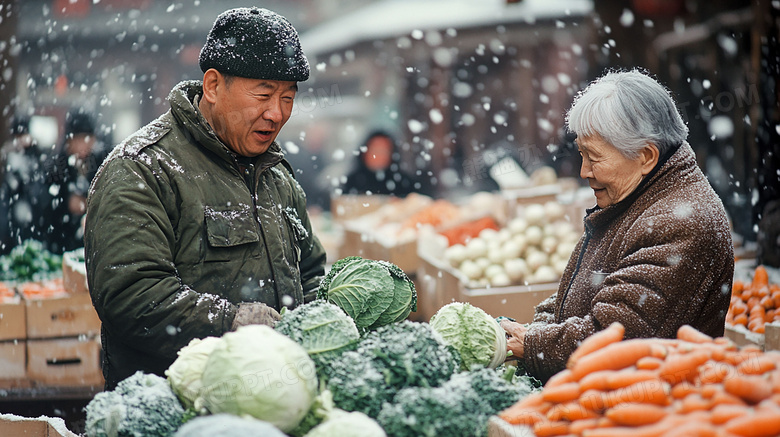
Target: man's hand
514, 343
255, 313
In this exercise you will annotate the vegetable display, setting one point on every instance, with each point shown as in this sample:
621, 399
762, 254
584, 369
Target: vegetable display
30, 261
406, 354
340, 423
141, 405
460, 407
478, 338
372, 293
692, 385
185, 373
322, 328
755, 303
256, 371
532, 248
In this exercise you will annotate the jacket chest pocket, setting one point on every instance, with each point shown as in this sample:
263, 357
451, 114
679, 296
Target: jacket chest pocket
226, 230
298, 232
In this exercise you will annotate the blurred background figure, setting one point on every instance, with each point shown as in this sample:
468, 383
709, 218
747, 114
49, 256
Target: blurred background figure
22, 193
377, 169
68, 175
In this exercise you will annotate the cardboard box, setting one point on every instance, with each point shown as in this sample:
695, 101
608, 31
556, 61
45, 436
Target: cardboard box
13, 319
742, 337
69, 315
13, 362
69, 362
74, 272
17, 426
772, 336
357, 242
348, 206
443, 285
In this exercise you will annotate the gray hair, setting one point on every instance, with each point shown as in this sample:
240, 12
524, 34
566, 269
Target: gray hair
628, 109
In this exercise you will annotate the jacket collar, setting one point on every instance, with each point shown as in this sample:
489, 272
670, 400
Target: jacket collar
672, 162
184, 98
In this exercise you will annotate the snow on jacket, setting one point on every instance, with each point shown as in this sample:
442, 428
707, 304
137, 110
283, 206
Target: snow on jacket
657, 260
176, 237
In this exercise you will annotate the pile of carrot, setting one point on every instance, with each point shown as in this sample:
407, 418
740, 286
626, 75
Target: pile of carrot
690, 386
755, 303
43, 290
7, 293
439, 212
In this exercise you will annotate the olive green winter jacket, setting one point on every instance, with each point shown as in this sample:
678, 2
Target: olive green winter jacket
177, 236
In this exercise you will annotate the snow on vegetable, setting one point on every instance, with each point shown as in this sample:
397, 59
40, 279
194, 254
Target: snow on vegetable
185, 373
227, 425
141, 405
478, 338
322, 328
393, 357
460, 407
373, 293
256, 371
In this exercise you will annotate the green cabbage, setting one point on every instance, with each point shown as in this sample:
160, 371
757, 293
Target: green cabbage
477, 336
256, 371
373, 293
322, 328
343, 424
185, 373
227, 425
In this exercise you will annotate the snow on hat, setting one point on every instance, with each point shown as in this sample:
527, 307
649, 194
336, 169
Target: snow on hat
254, 43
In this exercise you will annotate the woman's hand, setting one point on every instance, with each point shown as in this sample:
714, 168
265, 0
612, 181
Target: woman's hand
514, 344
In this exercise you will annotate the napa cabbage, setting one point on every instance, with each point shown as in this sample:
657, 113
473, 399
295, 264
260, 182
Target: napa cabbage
373, 293
478, 338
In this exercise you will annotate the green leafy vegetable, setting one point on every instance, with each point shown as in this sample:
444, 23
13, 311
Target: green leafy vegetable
373, 293
393, 357
322, 328
256, 371
30, 262
141, 405
460, 407
477, 336
185, 373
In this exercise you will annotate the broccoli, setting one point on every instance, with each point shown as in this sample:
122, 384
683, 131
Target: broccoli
142, 405
406, 354
459, 407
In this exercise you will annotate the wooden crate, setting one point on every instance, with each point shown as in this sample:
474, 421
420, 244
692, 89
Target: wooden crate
13, 426
356, 242
13, 363
498, 427
68, 362
742, 337
69, 315
74, 272
13, 319
348, 206
772, 336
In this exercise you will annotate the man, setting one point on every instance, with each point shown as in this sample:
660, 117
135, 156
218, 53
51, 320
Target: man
195, 224
68, 175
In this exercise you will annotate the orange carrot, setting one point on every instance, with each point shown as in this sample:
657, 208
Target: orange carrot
760, 277
689, 333
625, 378
547, 428
723, 398
725, 412
762, 423
653, 391
710, 390
522, 417
570, 411
559, 378
596, 380
592, 400
649, 363
751, 388
714, 372
682, 390
683, 367
616, 356
694, 402
578, 426
633, 414
693, 429
756, 365
562, 393
611, 334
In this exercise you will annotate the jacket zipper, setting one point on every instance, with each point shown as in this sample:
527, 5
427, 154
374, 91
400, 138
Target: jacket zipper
574, 274
249, 179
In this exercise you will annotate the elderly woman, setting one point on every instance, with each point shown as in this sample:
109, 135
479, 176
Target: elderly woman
657, 252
